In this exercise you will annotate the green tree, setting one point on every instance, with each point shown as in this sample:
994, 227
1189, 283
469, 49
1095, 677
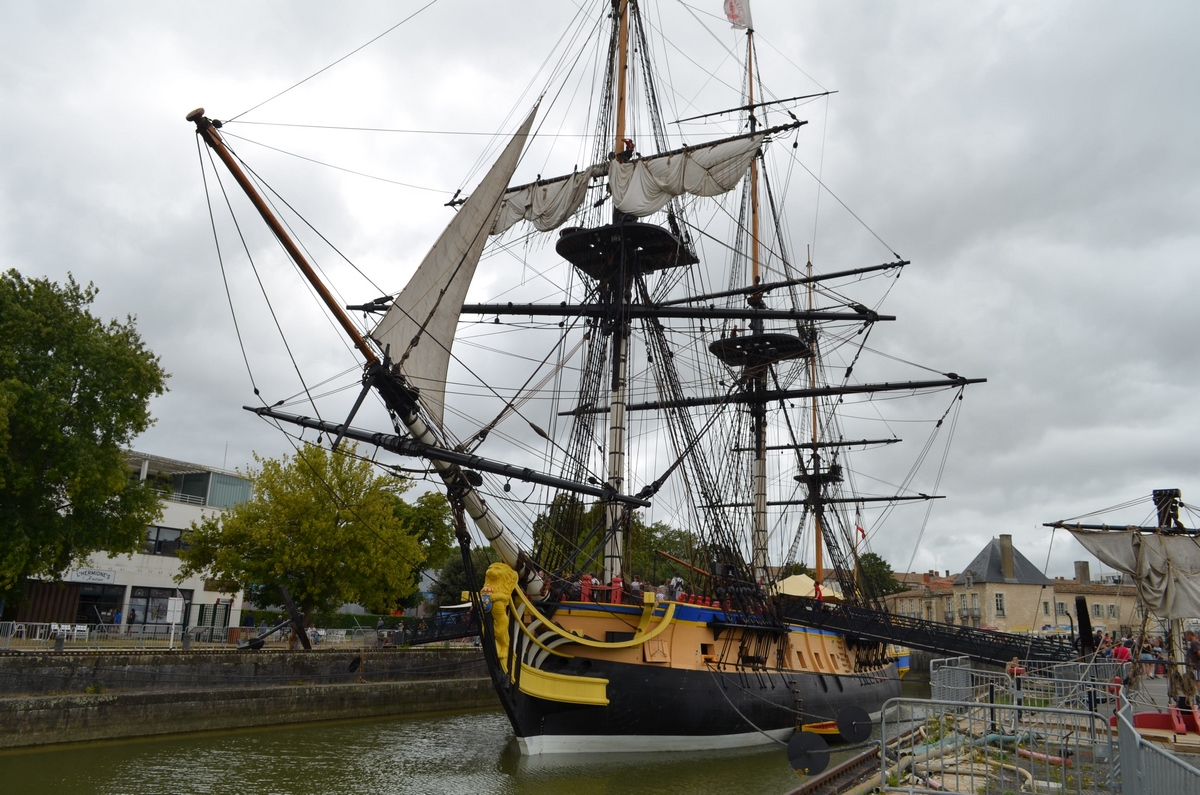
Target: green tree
645, 540
321, 524
794, 568
429, 518
451, 580
875, 575
74, 393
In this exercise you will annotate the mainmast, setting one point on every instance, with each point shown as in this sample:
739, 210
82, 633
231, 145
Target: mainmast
814, 495
758, 383
619, 292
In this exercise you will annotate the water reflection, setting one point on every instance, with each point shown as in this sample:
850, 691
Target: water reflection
461, 754
457, 754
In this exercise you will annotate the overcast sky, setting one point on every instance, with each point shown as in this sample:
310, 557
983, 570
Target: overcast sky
1037, 162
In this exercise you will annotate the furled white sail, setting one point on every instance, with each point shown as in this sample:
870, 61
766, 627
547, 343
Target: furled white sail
644, 186
1164, 568
419, 327
546, 205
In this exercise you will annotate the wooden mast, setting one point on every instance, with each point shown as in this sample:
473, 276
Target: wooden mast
615, 513
622, 71
759, 478
208, 130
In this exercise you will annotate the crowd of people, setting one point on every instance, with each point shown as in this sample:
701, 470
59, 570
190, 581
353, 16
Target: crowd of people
1150, 655
593, 589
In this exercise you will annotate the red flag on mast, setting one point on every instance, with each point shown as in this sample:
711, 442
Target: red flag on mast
738, 12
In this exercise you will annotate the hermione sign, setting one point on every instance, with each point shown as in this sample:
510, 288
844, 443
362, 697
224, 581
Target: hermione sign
92, 575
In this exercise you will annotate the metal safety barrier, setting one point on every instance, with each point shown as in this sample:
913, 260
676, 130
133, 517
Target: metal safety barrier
994, 748
1147, 769
1031, 713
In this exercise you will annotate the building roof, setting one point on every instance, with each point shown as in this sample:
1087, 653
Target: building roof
157, 464
1065, 586
987, 568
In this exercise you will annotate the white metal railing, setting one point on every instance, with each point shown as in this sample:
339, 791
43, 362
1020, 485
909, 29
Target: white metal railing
175, 496
47, 635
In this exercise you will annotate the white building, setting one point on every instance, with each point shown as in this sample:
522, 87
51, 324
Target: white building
140, 585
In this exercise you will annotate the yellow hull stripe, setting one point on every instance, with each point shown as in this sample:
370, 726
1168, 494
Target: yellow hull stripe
563, 687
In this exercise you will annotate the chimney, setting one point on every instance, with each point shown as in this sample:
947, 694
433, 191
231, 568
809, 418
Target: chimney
1007, 567
1083, 573
947, 574
925, 578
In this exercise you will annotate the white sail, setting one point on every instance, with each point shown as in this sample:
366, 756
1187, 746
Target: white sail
546, 205
644, 186
419, 327
1164, 568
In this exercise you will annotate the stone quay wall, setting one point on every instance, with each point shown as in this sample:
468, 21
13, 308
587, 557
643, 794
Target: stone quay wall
75, 697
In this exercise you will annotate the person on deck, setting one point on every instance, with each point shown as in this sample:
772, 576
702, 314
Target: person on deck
1121, 654
1146, 659
1192, 652
635, 589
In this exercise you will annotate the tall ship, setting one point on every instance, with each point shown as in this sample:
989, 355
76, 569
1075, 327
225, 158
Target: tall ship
651, 422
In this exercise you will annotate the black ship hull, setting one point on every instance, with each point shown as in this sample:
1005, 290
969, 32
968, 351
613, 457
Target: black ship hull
658, 708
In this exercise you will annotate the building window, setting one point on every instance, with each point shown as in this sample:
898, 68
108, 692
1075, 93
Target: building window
1000, 604
1060, 608
974, 601
149, 605
1097, 611
1045, 608
98, 604
962, 601
1114, 611
163, 541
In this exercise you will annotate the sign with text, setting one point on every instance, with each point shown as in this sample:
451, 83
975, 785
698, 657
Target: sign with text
92, 575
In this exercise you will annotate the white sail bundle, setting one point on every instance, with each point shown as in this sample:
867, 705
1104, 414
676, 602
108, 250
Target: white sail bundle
639, 187
1164, 568
418, 329
547, 205
644, 186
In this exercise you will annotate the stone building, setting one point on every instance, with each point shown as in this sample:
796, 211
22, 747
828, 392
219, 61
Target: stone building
927, 596
1001, 589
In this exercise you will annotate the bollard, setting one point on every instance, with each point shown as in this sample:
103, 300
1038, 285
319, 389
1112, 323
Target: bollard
187, 641
60, 641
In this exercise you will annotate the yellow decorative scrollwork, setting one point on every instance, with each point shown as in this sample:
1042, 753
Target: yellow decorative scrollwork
501, 580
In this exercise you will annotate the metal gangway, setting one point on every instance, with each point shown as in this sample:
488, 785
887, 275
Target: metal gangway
981, 644
441, 628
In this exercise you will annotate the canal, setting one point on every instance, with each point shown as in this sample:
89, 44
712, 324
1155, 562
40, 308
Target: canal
460, 754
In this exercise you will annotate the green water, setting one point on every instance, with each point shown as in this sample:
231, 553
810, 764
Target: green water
469, 754
461, 754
